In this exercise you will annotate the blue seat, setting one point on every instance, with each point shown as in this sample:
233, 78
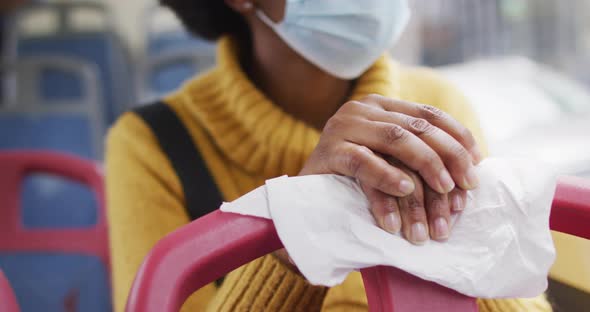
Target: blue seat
49, 201
172, 58
67, 126
54, 282
174, 40
53, 246
61, 132
169, 77
95, 48
69, 120
176, 56
100, 47
172, 55
57, 85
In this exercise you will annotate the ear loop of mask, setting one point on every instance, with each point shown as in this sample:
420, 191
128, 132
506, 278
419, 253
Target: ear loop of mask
265, 19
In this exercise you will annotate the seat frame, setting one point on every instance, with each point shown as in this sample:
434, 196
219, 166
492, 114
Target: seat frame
175, 267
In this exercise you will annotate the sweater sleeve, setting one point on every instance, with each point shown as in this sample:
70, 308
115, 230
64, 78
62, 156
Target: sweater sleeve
266, 284
145, 202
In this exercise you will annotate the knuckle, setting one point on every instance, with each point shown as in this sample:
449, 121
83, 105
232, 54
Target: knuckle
394, 134
320, 160
350, 105
355, 159
385, 204
413, 208
334, 125
390, 204
373, 97
419, 125
413, 203
429, 112
436, 205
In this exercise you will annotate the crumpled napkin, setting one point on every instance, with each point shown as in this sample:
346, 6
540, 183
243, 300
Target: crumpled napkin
500, 245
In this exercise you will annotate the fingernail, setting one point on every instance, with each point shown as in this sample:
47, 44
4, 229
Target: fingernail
441, 228
470, 181
406, 187
391, 223
418, 233
457, 203
446, 182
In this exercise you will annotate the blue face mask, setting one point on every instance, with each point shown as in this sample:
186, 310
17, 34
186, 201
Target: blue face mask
342, 37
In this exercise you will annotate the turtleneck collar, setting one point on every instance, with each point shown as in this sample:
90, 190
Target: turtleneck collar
249, 129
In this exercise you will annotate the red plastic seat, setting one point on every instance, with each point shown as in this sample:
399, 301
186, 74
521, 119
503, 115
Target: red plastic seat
15, 238
15, 166
7, 298
212, 246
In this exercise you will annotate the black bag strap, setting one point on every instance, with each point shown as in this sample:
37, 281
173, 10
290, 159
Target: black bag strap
200, 191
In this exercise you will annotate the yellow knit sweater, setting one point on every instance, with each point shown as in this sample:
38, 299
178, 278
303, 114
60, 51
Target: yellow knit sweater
244, 139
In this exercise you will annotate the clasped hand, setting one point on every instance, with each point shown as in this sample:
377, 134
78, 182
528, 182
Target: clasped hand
413, 162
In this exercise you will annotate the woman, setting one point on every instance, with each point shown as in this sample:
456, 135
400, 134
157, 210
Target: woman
299, 88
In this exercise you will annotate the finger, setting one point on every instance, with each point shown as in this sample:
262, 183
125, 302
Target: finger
371, 170
455, 157
413, 214
435, 116
384, 208
438, 209
393, 140
457, 199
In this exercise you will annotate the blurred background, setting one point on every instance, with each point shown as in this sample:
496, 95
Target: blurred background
69, 68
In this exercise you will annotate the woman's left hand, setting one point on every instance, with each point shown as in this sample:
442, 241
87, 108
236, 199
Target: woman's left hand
422, 214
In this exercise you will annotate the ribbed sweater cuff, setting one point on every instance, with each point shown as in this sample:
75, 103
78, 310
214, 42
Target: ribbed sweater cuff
536, 304
266, 284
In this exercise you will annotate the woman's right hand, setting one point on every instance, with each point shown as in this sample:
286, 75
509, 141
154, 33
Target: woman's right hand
359, 138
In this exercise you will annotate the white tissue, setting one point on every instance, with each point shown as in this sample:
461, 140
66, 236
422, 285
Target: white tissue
500, 245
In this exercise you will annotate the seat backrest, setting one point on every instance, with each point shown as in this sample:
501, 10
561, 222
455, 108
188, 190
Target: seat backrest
53, 269
175, 268
164, 32
570, 212
177, 39
7, 298
163, 73
30, 120
82, 30
171, 55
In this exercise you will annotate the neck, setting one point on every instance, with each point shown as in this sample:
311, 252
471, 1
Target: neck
292, 83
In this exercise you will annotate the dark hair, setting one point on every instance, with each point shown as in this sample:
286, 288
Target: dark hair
208, 19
